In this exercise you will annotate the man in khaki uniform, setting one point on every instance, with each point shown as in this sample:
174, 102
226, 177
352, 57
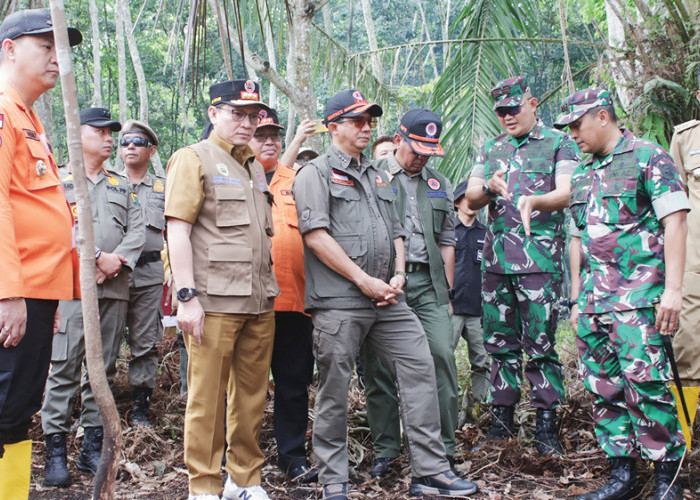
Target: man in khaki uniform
119, 238
685, 150
143, 319
219, 218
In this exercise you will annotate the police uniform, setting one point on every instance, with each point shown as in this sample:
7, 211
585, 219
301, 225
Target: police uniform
617, 204
118, 225
221, 191
424, 204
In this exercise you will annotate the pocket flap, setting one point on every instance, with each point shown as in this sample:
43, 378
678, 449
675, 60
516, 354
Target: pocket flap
230, 253
229, 192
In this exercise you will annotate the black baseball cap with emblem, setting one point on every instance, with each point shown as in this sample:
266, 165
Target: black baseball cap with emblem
349, 103
33, 22
421, 128
269, 118
236, 93
100, 118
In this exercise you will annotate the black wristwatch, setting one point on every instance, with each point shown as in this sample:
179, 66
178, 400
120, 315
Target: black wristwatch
486, 189
451, 294
186, 294
570, 303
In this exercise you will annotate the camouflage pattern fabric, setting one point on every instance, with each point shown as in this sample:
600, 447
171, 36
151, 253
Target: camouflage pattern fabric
576, 105
509, 93
531, 165
624, 365
520, 314
615, 202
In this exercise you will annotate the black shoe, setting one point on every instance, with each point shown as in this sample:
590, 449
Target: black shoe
301, 474
55, 465
502, 423
622, 484
335, 491
664, 485
444, 484
546, 440
89, 458
139, 412
381, 466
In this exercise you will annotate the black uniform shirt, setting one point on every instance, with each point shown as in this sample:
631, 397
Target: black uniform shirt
469, 247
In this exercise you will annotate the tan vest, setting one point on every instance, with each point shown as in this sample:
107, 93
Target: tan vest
231, 236
685, 149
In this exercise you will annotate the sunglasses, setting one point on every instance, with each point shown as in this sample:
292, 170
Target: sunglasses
503, 112
139, 142
360, 121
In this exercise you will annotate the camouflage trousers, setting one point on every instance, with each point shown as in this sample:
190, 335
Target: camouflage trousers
623, 363
520, 314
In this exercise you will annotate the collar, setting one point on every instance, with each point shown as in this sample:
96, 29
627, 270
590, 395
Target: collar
13, 95
535, 133
624, 145
346, 161
240, 153
395, 168
475, 225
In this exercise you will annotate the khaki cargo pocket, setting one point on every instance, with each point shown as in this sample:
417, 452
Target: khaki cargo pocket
231, 206
154, 212
230, 270
59, 348
325, 337
118, 206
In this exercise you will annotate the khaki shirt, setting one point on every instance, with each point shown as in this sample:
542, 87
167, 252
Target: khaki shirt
221, 190
685, 150
151, 194
117, 221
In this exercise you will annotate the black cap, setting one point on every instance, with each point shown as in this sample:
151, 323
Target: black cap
349, 103
421, 128
33, 22
269, 118
460, 190
236, 93
100, 118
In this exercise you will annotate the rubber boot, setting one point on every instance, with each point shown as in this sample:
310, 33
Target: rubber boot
691, 395
15, 470
622, 484
666, 484
55, 465
139, 412
546, 440
89, 458
502, 423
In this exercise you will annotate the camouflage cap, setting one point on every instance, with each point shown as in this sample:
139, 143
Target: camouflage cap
576, 105
509, 93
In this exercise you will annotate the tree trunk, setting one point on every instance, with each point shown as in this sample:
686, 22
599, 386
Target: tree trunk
270, 49
225, 48
107, 471
621, 69
372, 40
96, 60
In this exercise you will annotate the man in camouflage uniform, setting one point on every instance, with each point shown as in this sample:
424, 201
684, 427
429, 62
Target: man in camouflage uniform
629, 212
685, 150
523, 175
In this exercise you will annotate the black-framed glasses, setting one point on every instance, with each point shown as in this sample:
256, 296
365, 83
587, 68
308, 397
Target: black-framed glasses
238, 116
139, 142
503, 112
360, 121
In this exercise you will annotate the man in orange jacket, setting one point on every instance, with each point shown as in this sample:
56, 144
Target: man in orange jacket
36, 242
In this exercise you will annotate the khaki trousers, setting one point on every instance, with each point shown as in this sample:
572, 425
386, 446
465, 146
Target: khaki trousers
233, 361
686, 343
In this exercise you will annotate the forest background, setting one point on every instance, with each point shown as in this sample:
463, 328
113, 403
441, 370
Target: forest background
155, 60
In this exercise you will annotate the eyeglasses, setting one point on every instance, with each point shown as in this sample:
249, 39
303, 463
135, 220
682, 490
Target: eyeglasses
239, 116
275, 136
360, 121
503, 112
139, 142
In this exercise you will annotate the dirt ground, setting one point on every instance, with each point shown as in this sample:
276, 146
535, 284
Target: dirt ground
152, 465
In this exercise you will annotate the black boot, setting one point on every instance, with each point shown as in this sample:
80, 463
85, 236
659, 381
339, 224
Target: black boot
55, 466
89, 458
665, 487
502, 423
139, 412
622, 484
546, 440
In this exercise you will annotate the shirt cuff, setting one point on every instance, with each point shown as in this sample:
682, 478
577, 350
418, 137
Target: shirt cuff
574, 232
565, 167
669, 203
308, 221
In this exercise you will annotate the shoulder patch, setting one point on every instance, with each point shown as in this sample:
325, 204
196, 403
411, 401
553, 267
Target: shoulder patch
686, 126
158, 186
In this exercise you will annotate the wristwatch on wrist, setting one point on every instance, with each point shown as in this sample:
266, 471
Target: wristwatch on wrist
570, 303
451, 294
186, 294
486, 189
400, 273
98, 253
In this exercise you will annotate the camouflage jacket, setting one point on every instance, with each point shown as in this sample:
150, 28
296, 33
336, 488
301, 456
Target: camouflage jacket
531, 165
617, 203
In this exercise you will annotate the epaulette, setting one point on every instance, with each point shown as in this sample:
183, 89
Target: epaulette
685, 126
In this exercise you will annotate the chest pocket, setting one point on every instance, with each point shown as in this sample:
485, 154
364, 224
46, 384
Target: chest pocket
619, 194
578, 201
345, 202
154, 212
289, 210
118, 207
536, 176
40, 174
440, 212
231, 206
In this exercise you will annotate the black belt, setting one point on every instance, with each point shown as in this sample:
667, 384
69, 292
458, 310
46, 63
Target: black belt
148, 257
412, 267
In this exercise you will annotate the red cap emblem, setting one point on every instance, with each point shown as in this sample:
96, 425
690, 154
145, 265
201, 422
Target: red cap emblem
433, 183
249, 86
357, 95
431, 129
262, 114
